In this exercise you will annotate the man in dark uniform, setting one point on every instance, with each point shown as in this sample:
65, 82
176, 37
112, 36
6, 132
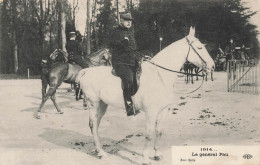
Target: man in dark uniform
124, 60
75, 52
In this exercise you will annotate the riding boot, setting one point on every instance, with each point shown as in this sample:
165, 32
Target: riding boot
130, 110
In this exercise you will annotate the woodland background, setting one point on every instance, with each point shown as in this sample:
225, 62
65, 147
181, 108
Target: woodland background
32, 29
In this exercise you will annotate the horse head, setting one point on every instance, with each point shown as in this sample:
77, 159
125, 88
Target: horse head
198, 54
100, 57
58, 55
54, 54
106, 59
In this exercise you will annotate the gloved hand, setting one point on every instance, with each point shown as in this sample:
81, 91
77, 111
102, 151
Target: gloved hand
125, 41
147, 58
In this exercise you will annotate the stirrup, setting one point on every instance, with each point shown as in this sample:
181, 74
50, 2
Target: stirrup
130, 109
114, 72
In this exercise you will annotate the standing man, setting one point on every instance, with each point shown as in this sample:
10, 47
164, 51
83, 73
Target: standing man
124, 60
75, 52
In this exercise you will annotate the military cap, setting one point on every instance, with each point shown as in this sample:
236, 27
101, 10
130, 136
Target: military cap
126, 16
72, 33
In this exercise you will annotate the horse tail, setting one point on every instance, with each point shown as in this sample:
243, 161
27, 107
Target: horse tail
80, 74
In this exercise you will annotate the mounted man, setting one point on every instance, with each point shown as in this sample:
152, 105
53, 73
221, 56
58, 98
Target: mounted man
75, 52
124, 60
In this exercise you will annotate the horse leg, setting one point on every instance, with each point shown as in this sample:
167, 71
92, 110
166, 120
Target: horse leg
187, 76
197, 72
85, 105
212, 79
53, 98
158, 134
149, 135
77, 91
96, 112
81, 94
44, 79
191, 75
50, 92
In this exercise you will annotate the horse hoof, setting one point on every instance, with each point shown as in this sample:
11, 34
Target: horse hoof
61, 112
101, 154
147, 163
37, 117
158, 158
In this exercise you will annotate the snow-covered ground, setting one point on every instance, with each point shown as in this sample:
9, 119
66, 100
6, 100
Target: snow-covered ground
215, 118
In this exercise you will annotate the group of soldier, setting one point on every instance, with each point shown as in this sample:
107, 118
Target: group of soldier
124, 59
232, 52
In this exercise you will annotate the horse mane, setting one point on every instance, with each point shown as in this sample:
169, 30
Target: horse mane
59, 55
99, 52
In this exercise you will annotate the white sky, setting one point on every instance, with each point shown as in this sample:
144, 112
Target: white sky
81, 14
255, 6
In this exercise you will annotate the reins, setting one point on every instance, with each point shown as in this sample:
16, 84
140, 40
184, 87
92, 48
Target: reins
167, 69
151, 62
159, 66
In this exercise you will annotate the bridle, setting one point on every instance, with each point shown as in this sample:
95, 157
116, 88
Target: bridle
54, 54
190, 46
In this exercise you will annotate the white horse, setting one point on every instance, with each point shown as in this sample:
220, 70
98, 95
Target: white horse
101, 88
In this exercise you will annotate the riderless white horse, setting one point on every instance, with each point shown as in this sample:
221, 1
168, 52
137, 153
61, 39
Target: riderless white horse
155, 94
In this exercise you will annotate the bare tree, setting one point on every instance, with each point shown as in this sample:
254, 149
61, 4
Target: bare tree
74, 9
43, 15
61, 25
13, 34
117, 10
88, 28
94, 24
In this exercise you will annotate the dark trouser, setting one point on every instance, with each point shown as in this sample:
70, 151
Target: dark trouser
126, 73
80, 61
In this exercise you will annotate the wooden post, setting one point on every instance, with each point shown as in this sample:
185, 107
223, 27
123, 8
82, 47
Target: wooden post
28, 73
228, 71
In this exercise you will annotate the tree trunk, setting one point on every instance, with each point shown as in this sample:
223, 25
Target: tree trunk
63, 34
50, 43
15, 54
88, 27
94, 25
61, 25
59, 6
15, 47
117, 8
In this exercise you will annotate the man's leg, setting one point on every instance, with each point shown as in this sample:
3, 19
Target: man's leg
126, 74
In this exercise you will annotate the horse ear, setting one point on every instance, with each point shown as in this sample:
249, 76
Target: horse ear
192, 31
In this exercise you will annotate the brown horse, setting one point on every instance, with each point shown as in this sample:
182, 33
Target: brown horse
189, 68
59, 71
